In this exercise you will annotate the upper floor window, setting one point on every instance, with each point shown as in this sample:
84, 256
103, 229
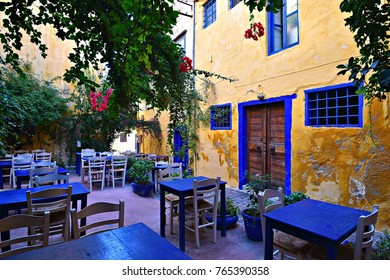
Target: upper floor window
234, 2
221, 117
283, 27
210, 13
123, 137
337, 106
181, 40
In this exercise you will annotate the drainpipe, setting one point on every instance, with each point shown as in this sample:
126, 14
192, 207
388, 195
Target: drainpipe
193, 65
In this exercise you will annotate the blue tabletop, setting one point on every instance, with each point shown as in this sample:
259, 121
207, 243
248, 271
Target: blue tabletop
330, 221
134, 242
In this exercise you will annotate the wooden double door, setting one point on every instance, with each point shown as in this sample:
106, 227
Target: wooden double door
266, 142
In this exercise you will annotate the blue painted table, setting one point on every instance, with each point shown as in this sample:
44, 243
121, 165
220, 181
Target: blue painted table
24, 175
183, 188
17, 199
134, 242
321, 223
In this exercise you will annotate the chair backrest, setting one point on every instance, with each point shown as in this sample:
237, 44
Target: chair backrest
269, 200
365, 234
43, 156
55, 200
37, 151
51, 164
20, 163
170, 173
119, 162
106, 154
210, 194
88, 152
25, 239
97, 163
40, 172
161, 163
19, 152
25, 155
50, 179
101, 221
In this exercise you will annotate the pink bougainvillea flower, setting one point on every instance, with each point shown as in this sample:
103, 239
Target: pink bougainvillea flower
99, 102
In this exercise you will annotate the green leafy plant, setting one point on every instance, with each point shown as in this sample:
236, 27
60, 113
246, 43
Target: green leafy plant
140, 171
382, 247
231, 208
294, 197
255, 184
29, 106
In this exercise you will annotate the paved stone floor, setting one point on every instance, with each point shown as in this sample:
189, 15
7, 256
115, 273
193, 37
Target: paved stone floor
234, 246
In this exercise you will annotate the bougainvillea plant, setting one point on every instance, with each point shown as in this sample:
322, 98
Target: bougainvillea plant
255, 31
186, 65
99, 101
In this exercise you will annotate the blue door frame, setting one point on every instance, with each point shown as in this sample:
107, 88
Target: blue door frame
178, 143
242, 136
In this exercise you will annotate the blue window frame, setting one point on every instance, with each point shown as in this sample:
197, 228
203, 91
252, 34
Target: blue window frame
334, 106
283, 27
210, 13
221, 117
234, 2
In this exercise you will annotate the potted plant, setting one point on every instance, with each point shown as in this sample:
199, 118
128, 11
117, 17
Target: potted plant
130, 162
232, 211
294, 197
251, 214
140, 171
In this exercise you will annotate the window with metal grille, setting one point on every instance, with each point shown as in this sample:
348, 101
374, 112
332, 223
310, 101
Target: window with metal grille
337, 106
210, 13
123, 137
283, 27
221, 117
234, 2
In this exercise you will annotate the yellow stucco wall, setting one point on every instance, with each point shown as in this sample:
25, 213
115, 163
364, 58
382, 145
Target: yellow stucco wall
340, 165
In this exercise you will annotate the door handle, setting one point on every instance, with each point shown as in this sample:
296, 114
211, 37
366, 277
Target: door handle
258, 149
272, 150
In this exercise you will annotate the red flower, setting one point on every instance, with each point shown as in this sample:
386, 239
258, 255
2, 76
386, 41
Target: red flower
186, 65
255, 31
99, 102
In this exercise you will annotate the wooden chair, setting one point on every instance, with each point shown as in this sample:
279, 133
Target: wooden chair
35, 173
7, 172
44, 156
285, 243
101, 222
171, 200
362, 246
85, 155
24, 239
96, 171
20, 152
50, 179
40, 164
37, 151
20, 163
202, 201
117, 170
57, 201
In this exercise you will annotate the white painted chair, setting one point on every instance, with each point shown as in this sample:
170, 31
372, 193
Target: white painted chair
117, 170
96, 171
